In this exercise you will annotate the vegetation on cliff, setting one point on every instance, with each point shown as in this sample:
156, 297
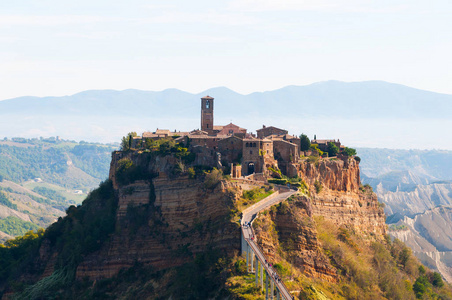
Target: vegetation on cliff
82, 231
322, 259
164, 228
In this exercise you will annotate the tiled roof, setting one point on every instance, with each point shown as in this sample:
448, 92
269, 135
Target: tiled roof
207, 97
322, 141
271, 127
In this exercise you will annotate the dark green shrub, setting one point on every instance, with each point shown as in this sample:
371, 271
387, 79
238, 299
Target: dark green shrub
420, 286
213, 178
282, 181
318, 186
437, 280
333, 150
305, 143
349, 151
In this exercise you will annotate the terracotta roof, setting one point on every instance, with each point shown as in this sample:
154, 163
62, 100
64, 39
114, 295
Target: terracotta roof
180, 133
271, 127
198, 132
162, 131
322, 141
196, 136
149, 134
207, 97
233, 125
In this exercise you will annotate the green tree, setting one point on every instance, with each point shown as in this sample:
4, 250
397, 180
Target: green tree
333, 150
437, 280
305, 143
126, 142
349, 151
420, 285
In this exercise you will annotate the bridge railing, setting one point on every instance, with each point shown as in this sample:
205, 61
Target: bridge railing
258, 248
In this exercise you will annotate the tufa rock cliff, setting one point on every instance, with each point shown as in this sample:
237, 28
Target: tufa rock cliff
332, 192
163, 221
153, 213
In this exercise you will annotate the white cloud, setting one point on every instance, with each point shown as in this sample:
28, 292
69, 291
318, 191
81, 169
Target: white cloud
276, 5
27, 20
354, 6
234, 19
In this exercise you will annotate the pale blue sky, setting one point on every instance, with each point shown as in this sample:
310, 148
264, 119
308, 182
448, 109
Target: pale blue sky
51, 47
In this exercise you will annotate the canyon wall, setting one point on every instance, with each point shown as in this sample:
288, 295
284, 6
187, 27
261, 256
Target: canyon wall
164, 222
333, 193
339, 196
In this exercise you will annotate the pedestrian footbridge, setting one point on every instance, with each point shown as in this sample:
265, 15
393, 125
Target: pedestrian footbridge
256, 262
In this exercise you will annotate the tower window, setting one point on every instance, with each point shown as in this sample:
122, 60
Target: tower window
207, 104
207, 125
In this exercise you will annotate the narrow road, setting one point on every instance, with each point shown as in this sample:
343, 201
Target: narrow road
248, 233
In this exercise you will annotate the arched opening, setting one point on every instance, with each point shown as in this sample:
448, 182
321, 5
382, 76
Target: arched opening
250, 168
207, 104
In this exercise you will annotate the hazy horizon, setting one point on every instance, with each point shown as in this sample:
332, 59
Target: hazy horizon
373, 114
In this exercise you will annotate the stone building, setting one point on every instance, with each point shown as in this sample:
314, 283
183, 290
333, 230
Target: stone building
323, 144
231, 149
207, 114
270, 130
231, 145
230, 129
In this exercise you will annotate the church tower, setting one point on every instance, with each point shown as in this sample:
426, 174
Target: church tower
207, 114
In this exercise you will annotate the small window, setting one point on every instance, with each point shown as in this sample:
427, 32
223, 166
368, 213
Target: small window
207, 125
207, 104
231, 131
251, 151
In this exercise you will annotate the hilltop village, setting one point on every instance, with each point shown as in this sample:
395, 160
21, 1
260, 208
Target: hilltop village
167, 224
242, 152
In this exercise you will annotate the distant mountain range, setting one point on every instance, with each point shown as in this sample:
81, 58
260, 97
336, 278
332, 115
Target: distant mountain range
372, 113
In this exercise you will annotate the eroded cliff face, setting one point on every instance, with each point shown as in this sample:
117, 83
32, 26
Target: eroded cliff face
429, 236
340, 198
340, 174
164, 221
288, 230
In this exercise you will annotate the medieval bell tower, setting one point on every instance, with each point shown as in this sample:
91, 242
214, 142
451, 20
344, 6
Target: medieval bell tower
207, 114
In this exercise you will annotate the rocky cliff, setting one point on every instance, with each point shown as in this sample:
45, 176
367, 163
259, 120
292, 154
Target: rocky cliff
154, 214
429, 236
337, 174
164, 222
333, 193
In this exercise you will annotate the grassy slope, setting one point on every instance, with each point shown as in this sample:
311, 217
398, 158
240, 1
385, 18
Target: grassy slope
366, 269
64, 167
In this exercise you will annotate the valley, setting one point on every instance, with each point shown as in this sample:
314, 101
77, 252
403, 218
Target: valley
40, 178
